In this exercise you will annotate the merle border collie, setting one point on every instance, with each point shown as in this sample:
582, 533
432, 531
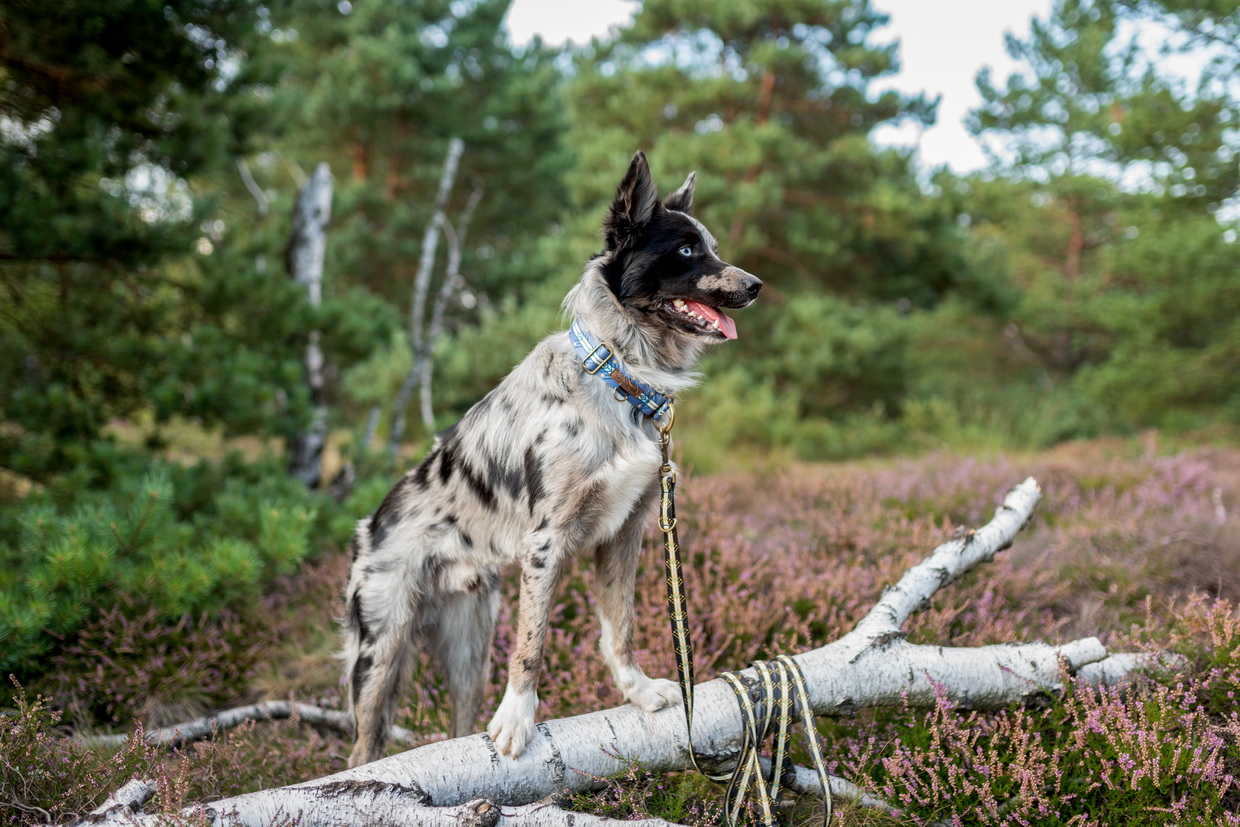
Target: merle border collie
554, 462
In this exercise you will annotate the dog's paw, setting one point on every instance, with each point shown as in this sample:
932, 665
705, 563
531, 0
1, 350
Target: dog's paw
513, 725
654, 694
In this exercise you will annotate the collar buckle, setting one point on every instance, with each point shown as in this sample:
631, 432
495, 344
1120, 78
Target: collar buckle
602, 361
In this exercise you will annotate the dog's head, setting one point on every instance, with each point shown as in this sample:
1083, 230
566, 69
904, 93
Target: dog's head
662, 263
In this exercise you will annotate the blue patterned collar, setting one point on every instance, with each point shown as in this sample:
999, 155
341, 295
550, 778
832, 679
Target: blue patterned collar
599, 359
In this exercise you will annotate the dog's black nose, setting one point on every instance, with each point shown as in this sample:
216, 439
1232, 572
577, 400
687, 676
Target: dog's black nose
752, 285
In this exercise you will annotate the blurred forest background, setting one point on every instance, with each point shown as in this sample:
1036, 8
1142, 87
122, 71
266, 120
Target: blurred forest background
1086, 284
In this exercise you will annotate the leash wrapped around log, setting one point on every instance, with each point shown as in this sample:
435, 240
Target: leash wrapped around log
767, 703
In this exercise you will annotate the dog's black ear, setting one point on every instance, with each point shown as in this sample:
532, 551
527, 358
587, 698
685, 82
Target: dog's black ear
635, 202
682, 199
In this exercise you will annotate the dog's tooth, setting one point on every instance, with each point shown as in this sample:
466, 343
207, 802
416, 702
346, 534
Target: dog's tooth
715, 324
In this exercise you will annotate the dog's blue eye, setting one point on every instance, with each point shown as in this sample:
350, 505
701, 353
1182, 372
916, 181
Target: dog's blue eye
685, 251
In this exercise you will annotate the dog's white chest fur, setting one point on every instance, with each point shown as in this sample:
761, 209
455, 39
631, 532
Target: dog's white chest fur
626, 480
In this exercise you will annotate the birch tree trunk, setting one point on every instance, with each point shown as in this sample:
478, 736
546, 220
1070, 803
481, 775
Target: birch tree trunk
452, 283
873, 665
421, 286
306, 249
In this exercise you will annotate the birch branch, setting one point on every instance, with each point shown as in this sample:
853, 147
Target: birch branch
372, 425
208, 725
873, 665
421, 286
452, 283
252, 187
347, 804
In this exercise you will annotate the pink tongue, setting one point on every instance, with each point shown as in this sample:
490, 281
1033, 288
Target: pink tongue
726, 325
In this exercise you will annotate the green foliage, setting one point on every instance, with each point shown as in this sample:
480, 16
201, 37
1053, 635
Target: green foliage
1103, 202
1171, 316
103, 95
378, 91
180, 540
476, 358
681, 798
835, 356
815, 377
111, 110
985, 419
1093, 103
131, 284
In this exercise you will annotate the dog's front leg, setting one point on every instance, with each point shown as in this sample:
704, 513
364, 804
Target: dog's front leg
513, 724
615, 576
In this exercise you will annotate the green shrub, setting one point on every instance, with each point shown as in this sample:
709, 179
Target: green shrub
175, 540
1014, 416
835, 355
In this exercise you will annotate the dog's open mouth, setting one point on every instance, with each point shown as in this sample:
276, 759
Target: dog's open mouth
702, 318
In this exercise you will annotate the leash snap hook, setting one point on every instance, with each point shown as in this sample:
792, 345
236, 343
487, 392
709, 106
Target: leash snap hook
667, 519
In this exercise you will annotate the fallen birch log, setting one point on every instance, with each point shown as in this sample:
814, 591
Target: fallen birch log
128, 799
873, 665
208, 726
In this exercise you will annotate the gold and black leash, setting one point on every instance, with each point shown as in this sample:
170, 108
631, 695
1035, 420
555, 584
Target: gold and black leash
767, 703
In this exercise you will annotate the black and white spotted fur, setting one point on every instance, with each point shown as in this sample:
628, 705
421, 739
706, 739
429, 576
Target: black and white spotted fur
548, 465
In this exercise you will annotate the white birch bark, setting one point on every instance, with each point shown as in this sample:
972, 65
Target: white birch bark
306, 250
421, 287
125, 801
209, 725
452, 283
873, 665
252, 187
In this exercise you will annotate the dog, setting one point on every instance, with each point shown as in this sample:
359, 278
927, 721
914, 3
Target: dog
559, 459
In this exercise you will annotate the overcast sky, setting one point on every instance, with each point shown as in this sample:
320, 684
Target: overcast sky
943, 44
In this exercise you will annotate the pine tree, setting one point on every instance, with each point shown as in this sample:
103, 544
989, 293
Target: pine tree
1112, 175
114, 116
1093, 104
772, 103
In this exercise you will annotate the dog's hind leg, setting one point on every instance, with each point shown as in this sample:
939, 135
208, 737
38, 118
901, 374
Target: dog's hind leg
615, 574
378, 655
376, 683
461, 641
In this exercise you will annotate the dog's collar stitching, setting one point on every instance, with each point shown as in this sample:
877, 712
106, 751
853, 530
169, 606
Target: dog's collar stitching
599, 359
